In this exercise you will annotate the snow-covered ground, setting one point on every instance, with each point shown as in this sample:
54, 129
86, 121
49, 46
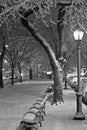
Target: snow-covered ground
15, 101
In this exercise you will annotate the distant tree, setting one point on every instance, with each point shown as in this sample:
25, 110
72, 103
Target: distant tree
15, 54
1, 61
3, 42
36, 59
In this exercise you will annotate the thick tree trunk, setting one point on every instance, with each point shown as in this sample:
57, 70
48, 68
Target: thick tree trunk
57, 82
54, 63
61, 13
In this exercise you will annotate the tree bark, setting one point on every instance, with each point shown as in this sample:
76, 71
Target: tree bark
1, 63
61, 13
12, 76
65, 76
58, 95
1, 74
20, 76
30, 73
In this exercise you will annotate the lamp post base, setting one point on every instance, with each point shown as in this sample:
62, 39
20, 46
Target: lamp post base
79, 116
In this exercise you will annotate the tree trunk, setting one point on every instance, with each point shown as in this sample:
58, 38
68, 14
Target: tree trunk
1, 62
65, 78
1, 74
61, 13
30, 73
58, 85
58, 96
20, 76
12, 76
65, 84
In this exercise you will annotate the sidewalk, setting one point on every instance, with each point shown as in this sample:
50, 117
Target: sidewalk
14, 102
37, 82
61, 117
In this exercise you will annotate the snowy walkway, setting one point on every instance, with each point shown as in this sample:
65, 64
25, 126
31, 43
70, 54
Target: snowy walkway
14, 102
61, 117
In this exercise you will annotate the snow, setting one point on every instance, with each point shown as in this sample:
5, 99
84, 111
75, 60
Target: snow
15, 102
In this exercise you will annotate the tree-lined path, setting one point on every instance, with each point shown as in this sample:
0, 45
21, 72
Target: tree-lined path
14, 102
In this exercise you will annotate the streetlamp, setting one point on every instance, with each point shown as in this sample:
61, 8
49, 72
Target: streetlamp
6, 46
78, 35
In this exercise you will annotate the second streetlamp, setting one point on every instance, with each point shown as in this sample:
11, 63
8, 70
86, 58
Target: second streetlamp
78, 35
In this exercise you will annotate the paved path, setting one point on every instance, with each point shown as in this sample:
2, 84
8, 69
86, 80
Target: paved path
14, 102
61, 117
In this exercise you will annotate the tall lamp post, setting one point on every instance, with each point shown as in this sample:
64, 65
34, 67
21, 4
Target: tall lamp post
78, 35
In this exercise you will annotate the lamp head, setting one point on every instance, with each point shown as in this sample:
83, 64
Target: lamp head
6, 46
78, 34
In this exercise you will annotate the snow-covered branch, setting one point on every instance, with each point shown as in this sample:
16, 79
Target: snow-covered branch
9, 7
76, 14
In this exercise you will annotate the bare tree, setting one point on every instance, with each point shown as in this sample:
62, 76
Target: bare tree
3, 41
15, 54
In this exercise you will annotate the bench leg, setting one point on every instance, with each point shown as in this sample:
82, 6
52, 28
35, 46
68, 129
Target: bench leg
44, 113
42, 117
21, 126
26, 126
40, 123
35, 128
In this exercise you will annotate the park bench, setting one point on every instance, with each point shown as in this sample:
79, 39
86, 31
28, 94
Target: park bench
40, 106
31, 120
43, 105
40, 109
35, 114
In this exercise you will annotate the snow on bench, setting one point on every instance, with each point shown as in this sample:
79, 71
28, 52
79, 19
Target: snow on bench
35, 114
